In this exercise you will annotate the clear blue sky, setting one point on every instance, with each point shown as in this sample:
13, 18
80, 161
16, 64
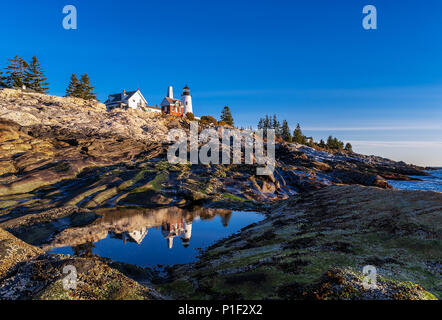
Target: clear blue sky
308, 61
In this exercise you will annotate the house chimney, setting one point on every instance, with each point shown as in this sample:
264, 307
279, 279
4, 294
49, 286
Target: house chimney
124, 94
170, 92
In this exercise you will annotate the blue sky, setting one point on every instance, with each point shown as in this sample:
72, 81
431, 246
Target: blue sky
308, 61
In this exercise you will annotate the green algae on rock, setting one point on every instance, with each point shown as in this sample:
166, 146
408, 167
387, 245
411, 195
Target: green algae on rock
42, 278
26, 272
304, 238
13, 251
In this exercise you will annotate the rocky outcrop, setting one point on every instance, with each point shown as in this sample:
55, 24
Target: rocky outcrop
315, 246
65, 160
58, 152
26, 272
14, 251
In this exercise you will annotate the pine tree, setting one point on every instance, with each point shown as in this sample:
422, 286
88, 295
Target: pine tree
35, 77
73, 89
266, 124
276, 126
274, 122
16, 72
86, 89
349, 147
226, 116
298, 137
322, 144
285, 131
330, 142
340, 145
2, 80
334, 143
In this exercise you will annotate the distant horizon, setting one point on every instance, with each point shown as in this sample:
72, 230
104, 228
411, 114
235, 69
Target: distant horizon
308, 62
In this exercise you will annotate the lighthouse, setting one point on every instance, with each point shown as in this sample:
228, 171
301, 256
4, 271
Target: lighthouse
186, 99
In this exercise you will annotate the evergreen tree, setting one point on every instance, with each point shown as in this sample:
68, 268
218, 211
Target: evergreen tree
2, 80
276, 126
322, 144
226, 116
298, 137
35, 77
330, 142
285, 131
261, 124
334, 143
86, 90
266, 123
73, 89
349, 147
16, 72
340, 145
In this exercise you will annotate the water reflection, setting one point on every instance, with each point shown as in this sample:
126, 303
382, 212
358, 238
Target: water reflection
150, 236
176, 229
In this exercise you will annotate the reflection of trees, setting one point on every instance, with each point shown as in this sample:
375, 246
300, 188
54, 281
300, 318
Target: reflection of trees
84, 250
225, 218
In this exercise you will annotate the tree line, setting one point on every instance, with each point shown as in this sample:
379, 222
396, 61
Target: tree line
20, 73
23, 74
283, 132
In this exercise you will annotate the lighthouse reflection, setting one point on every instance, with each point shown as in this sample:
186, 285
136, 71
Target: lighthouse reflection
150, 236
177, 229
175, 223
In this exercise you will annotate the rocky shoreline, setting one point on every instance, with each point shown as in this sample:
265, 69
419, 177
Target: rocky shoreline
314, 247
65, 160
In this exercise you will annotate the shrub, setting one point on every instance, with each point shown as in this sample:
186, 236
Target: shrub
190, 116
208, 120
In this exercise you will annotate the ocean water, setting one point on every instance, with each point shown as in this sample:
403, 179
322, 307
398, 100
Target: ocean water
432, 183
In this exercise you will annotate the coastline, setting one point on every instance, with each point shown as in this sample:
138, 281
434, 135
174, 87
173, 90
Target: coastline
324, 211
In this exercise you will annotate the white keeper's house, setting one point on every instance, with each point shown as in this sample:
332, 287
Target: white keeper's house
129, 99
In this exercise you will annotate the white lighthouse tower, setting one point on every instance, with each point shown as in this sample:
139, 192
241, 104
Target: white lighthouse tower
186, 99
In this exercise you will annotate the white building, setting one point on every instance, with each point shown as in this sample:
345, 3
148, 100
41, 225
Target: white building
170, 230
177, 107
187, 234
135, 235
130, 99
186, 100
